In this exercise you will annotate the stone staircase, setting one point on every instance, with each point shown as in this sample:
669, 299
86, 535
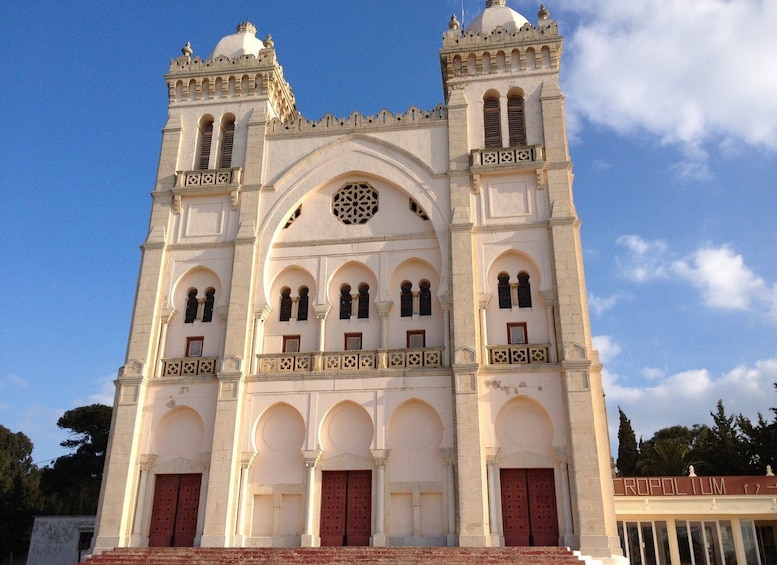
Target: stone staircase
338, 556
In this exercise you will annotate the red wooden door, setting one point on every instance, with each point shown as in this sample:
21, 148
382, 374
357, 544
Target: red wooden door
334, 488
174, 514
346, 508
515, 507
358, 526
542, 506
529, 513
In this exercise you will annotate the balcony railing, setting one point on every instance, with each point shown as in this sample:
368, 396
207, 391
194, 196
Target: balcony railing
208, 178
507, 156
189, 367
518, 354
350, 360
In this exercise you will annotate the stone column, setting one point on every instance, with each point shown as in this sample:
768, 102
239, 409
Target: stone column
167, 318
379, 537
491, 472
383, 310
568, 534
483, 301
309, 539
146, 462
321, 310
551, 302
450, 493
446, 329
242, 500
257, 343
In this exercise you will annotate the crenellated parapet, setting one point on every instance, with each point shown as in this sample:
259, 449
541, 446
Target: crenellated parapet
527, 49
193, 79
383, 120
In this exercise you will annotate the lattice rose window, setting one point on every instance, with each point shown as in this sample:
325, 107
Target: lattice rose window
355, 203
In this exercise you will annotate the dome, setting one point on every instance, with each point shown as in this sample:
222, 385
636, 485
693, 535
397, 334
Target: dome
244, 42
496, 14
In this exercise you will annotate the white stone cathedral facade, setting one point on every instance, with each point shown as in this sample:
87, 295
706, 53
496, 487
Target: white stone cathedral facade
369, 330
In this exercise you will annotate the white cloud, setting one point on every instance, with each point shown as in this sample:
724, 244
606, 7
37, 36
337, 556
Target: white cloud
645, 260
103, 395
670, 71
607, 347
687, 398
600, 304
723, 279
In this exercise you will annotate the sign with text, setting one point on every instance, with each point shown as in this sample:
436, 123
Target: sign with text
695, 486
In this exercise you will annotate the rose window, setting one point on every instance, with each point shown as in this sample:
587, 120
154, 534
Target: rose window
355, 203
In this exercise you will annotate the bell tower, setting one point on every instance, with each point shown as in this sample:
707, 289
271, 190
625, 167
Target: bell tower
511, 196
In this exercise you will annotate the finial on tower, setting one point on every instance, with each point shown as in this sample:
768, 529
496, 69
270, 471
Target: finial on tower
268, 42
543, 14
246, 27
454, 23
187, 50
492, 3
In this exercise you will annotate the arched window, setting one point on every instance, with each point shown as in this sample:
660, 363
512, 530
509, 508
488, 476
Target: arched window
302, 303
492, 123
425, 299
207, 310
503, 290
524, 290
226, 145
191, 307
516, 121
206, 136
345, 302
406, 300
364, 301
285, 313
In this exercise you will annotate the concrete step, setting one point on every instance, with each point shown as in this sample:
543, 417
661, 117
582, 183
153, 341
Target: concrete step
338, 556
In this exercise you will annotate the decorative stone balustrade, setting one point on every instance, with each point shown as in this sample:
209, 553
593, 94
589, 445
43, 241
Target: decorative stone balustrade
189, 367
518, 354
208, 178
351, 360
507, 156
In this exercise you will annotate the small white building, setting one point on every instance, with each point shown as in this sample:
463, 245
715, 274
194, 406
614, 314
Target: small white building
363, 330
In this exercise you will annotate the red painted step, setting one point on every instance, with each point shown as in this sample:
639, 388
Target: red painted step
338, 556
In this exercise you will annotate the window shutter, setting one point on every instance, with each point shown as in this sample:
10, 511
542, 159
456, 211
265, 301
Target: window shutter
492, 123
516, 121
207, 137
226, 145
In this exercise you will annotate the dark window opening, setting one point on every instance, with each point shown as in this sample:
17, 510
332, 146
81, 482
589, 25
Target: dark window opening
364, 301
406, 300
346, 303
524, 290
425, 299
503, 290
302, 304
207, 310
492, 123
285, 313
192, 304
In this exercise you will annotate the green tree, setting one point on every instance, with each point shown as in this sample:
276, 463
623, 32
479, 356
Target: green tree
720, 449
72, 484
664, 457
760, 442
20, 497
628, 455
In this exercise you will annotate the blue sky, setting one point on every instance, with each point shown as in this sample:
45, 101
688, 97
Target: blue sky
673, 122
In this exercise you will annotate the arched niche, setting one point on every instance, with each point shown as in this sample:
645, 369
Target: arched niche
278, 439
179, 434
415, 432
524, 427
346, 435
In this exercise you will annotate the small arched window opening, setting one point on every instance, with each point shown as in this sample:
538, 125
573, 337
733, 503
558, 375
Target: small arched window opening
206, 136
492, 122
503, 290
302, 303
364, 301
345, 302
226, 145
207, 310
406, 300
192, 304
425, 299
524, 290
516, 121
285, 312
